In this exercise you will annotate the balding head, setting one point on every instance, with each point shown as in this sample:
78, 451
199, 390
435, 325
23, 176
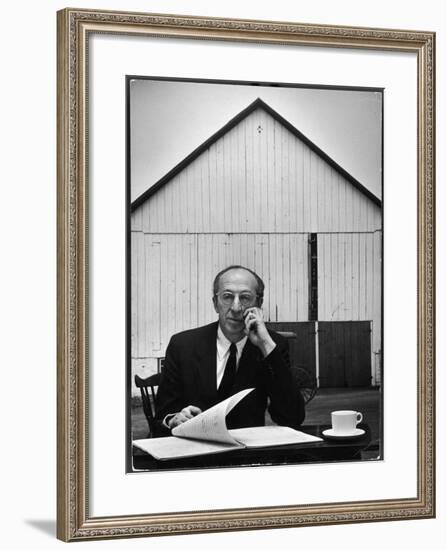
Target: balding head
259, 283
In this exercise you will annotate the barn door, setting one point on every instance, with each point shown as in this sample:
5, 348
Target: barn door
302, 349
344, 349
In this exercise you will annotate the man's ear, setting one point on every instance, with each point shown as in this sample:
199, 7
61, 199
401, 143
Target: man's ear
215, 304
260, 301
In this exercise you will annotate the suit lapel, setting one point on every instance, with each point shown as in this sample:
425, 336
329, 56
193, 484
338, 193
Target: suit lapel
205, 363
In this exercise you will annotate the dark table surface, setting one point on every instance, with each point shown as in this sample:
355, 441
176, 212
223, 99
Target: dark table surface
328, 450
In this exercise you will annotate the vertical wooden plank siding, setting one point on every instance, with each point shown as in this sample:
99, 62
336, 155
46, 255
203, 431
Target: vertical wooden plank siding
258, 178
152, 292
173, 278
253, 197
344, 354
351, 262
377, 344
140, 284
347, 251
135, 297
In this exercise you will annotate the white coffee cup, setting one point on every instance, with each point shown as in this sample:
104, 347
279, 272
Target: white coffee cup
345, 422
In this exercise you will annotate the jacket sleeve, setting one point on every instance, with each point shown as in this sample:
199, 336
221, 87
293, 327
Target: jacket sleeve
286, 402
170, 392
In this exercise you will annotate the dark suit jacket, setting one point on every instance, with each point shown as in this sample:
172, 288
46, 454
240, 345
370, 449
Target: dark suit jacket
189, 378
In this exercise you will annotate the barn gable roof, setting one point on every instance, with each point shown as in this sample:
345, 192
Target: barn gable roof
258, 103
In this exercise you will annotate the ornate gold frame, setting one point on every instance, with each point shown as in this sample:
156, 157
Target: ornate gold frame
73, 521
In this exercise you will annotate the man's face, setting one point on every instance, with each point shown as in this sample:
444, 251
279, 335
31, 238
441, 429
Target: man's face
242, 285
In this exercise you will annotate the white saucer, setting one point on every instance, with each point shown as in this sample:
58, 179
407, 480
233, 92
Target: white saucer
331, 435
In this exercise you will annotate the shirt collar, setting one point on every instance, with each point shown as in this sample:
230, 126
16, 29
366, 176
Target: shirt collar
223, 344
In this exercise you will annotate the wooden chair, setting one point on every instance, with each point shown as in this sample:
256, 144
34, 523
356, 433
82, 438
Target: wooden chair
148, 388
304, 381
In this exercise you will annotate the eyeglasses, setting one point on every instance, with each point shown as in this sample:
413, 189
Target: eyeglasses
246, 299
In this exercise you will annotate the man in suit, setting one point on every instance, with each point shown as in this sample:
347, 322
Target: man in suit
205, 365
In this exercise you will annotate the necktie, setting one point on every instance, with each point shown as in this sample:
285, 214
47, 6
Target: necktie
227, 382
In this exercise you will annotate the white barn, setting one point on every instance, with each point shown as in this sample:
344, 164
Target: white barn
261, 194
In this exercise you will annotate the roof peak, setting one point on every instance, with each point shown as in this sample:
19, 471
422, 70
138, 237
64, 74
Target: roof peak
257, 103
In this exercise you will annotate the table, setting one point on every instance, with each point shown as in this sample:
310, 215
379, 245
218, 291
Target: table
340, 450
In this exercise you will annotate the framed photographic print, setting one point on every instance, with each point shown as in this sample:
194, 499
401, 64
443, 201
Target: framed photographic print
245, 274
254, 191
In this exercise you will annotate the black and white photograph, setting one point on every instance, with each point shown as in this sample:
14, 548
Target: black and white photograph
254, 274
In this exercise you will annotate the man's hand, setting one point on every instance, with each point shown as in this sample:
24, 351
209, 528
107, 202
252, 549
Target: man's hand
184, 415
256, 330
